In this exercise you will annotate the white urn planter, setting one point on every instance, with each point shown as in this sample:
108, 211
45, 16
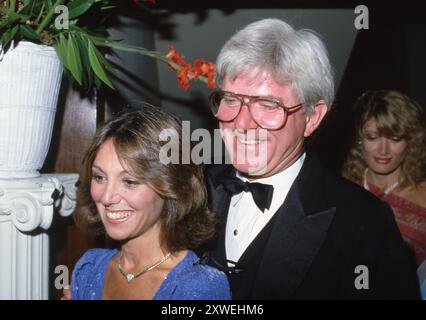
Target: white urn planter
30, 79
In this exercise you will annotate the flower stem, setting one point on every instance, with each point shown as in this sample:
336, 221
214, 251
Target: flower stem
39, 15
48, 17
145, 52
12, 5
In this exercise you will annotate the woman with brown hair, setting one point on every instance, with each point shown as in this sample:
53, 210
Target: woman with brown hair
156, 210
388, 158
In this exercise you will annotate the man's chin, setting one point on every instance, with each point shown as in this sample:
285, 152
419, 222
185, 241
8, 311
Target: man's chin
255, 168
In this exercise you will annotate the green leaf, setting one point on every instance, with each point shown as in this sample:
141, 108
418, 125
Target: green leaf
92, 32
26, 2
5, 25
10, 6
74, 60
78, 7
13, 18
28, 33
30, 7
98, 68
104, 62
61, 49
48, 4
8, 35
98, 82
89, 75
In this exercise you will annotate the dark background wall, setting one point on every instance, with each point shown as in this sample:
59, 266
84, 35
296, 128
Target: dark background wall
391, 54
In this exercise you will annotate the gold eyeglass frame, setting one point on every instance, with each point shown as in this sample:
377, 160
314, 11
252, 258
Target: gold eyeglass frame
248, 100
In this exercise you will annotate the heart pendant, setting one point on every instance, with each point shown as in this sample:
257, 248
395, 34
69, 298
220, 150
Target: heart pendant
130, 277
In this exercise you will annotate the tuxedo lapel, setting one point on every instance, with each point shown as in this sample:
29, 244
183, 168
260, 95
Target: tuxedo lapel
278, 259
219, 201
299, 230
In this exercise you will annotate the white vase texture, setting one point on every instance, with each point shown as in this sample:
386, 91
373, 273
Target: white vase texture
30, 80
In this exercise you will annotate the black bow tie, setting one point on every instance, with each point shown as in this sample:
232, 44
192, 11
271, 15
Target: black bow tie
262, 193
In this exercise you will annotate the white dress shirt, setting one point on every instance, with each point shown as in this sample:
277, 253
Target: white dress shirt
245, 220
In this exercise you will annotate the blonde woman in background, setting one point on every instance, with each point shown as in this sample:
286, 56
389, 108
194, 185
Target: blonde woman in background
388, 158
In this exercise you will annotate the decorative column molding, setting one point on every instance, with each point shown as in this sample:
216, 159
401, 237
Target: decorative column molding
27, 204
26, 212
65, 182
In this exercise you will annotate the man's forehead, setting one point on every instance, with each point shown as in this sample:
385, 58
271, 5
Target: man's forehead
259, 84
255, 77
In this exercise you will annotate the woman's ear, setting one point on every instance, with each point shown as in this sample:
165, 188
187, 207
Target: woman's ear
314, 119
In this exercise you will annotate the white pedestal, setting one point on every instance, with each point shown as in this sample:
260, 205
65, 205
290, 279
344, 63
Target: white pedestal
26, 212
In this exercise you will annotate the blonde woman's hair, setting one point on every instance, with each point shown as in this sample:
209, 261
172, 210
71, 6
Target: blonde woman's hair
396, 115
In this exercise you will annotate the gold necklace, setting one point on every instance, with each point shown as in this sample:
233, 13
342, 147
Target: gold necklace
130, 276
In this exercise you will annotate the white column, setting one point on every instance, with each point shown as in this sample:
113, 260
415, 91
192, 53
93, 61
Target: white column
26, 211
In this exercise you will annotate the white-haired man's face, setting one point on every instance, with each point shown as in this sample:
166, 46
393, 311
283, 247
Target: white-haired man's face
258, 152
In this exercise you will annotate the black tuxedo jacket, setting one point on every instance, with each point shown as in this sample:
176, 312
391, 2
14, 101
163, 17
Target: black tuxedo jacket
329, 240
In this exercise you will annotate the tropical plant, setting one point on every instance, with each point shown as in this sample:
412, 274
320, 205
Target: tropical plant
77, 29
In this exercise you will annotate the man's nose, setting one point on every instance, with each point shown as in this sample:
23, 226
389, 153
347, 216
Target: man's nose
244, 119
111, 194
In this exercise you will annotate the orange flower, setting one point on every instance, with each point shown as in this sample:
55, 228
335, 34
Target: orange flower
184, 77
175, 56
205, 69
186, 72
198, 67
208, 71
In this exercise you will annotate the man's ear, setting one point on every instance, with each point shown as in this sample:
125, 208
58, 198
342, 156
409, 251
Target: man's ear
314, 119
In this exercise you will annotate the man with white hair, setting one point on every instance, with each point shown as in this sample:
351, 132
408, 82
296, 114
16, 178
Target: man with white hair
290, 229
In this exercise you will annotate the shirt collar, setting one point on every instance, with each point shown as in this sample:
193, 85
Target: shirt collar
281, 178
281, 182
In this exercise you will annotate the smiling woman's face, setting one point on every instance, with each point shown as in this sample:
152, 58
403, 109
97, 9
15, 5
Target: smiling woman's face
383, 155
128, 207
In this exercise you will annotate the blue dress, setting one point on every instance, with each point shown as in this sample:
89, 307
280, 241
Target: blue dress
188, 280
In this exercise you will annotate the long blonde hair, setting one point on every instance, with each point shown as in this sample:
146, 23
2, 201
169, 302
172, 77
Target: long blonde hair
396, 115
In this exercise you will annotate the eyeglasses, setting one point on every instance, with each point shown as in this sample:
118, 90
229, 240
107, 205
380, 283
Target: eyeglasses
268, 113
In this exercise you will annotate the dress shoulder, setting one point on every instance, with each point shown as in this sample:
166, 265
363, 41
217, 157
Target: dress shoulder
190, 280
89, 272
92, 258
